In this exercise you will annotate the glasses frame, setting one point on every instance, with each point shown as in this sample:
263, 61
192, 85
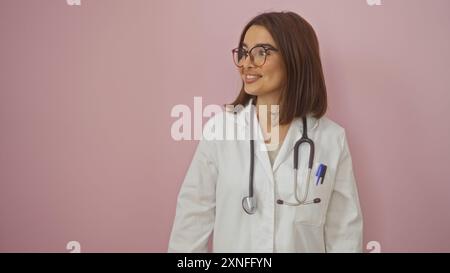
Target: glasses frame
267, 49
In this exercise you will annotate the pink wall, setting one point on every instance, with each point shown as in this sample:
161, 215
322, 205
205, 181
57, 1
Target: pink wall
86, 93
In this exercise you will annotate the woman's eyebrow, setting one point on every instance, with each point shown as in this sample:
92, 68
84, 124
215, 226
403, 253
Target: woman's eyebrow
260, 44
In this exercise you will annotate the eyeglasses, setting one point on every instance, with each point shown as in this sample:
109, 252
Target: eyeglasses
258, 55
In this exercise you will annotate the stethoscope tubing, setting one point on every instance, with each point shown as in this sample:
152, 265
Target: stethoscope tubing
249, 202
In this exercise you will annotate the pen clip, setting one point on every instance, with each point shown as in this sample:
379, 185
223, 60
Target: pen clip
321, 173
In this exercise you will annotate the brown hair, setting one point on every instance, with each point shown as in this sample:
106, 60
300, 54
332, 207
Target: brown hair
305, 91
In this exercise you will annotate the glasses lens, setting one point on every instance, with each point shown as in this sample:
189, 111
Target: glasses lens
239, 56
258, 55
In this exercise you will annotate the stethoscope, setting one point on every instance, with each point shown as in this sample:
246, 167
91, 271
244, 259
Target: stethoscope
249, 202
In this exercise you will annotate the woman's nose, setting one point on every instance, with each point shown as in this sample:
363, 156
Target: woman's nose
247, 62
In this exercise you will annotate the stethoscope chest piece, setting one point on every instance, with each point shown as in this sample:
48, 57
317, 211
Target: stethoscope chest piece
249, 204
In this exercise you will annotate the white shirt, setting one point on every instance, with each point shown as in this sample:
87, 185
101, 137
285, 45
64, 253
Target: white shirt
210, 199
273, 154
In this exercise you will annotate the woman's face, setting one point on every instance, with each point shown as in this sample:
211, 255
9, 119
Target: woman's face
268, 79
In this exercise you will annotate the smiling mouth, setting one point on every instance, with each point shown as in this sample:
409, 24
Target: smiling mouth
251, 78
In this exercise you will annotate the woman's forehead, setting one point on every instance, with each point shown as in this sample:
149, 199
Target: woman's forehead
257, 35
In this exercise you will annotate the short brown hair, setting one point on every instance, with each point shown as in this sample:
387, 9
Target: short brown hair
305, 92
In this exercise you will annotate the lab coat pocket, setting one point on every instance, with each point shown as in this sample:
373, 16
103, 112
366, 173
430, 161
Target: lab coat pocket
313, 213
309, 238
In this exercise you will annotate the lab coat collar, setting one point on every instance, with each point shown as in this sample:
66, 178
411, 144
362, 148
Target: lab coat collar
294, 133
244, 120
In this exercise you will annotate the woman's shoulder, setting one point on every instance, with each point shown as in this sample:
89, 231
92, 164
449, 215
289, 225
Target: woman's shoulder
220, 119
331, 127
216, 125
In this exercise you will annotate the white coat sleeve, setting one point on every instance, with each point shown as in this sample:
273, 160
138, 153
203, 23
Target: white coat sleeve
195, 213
344, 223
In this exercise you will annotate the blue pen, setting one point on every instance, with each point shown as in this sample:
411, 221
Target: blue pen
321, 174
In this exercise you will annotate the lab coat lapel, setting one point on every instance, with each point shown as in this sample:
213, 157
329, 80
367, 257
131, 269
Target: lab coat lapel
261, 150
294, 134
260, 147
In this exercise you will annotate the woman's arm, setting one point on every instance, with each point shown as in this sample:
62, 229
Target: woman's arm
344, 226
194, 220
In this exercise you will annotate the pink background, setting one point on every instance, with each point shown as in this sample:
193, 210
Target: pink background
86, 93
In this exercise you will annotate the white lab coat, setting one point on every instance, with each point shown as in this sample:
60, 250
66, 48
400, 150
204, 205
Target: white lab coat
210, 199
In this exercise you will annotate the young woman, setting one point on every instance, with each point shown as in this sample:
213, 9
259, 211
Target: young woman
298, 196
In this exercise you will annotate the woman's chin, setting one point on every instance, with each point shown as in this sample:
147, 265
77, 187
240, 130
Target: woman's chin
251, 91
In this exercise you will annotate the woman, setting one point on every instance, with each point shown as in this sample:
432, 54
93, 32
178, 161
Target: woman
253, 199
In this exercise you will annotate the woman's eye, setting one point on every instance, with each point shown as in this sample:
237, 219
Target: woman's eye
261, 52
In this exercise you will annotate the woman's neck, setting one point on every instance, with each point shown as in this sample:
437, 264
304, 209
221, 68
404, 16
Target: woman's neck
268, 105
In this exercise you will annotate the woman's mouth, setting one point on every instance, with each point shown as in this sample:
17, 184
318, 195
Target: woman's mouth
251, 78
